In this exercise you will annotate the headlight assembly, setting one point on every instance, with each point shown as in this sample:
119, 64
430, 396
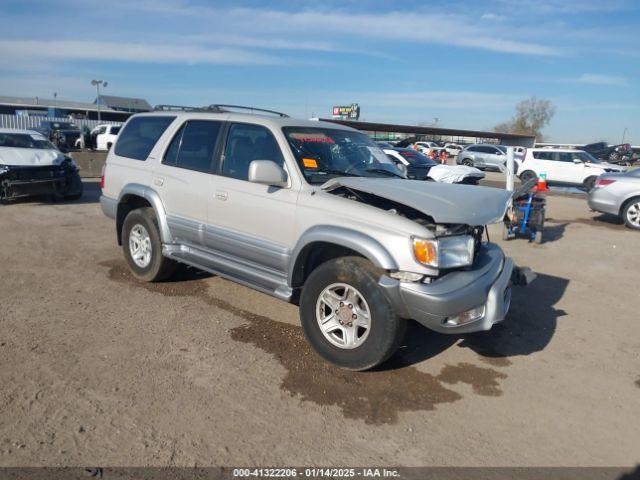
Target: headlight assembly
445, 252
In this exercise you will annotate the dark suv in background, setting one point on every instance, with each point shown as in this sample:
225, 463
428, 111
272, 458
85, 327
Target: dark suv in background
61, 134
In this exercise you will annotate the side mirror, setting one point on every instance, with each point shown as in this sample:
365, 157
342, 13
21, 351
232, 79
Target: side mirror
577, 160
267, 172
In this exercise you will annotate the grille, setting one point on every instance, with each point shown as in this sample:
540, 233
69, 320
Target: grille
27, 174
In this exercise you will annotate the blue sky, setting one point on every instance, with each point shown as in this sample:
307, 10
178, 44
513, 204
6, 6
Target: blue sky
466, 63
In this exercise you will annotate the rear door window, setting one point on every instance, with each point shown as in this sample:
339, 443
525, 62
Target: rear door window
566, 157
140, 136
193, 146
543, 155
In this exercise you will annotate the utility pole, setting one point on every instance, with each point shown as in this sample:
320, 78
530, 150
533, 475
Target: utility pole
97, 83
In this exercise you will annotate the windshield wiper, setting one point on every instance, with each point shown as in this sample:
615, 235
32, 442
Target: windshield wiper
382, 170
337, 172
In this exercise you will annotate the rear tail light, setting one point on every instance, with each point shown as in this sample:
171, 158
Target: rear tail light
603, 182
102, 178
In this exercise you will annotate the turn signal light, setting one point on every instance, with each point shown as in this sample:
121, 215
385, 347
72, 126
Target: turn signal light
426, 251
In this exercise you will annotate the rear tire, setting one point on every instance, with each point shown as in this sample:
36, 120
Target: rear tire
467, 162
631, 213
334, 292
527, 175
589, 183
143, 253
538, 237
505, 233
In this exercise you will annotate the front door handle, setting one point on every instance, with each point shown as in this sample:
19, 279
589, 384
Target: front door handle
220, 195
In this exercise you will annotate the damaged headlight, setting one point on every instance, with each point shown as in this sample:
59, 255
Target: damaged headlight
445, 252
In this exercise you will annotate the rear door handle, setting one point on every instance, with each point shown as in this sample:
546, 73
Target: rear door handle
220, 195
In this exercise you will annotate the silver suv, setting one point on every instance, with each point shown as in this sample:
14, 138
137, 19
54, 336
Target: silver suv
312, 213
483, 156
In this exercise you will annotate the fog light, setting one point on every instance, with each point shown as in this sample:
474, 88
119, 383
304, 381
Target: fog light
465, 317
406, 276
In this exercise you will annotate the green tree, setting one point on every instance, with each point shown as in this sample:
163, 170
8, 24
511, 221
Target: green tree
532, 115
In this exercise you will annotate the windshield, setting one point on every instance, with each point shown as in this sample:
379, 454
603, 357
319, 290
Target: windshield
586, 157
324, 153
25, 140
501, 148
62, 125
415, 158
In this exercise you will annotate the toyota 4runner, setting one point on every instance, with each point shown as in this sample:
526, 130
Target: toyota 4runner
312, 213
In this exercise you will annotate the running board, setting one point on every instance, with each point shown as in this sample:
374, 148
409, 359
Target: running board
253, 276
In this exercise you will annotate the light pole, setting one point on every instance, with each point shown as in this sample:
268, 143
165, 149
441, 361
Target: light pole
624, 133
97, 83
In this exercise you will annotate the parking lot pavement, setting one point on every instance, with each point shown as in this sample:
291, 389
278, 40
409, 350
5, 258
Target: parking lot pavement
98, 369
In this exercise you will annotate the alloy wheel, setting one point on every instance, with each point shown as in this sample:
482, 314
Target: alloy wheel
343, 316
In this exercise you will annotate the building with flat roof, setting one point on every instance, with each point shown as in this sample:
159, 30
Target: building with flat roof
386, 131
116, 109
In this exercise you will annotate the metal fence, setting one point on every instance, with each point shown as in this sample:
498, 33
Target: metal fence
27, 123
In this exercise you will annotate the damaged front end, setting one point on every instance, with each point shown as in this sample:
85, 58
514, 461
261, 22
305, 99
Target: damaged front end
467, 286
17, 181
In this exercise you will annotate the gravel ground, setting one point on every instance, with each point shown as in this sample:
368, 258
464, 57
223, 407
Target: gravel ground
97, 369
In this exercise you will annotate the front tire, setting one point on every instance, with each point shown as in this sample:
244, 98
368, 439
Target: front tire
631, 213
346, 316
75, 189
467, 162
142, 246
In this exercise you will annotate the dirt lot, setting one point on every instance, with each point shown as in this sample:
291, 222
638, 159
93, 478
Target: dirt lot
97, 369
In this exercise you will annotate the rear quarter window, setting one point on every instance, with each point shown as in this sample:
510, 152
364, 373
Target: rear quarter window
139, 136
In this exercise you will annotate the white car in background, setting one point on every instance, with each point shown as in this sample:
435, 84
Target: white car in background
102, 137
568, 167
426, 147
31, 165
452, 149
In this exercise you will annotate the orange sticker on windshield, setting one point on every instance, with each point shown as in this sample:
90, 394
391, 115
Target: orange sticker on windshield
310, 163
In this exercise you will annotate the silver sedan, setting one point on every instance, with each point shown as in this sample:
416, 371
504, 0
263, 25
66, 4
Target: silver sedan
618, 194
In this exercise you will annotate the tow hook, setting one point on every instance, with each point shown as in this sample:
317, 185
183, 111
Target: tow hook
522, 276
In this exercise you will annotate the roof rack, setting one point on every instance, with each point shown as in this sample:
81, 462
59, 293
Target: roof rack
214, 108
183, 108
224, 108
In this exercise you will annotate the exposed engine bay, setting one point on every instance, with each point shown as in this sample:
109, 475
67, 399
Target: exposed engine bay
397, 208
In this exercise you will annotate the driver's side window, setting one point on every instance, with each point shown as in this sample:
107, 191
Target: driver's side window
246, 143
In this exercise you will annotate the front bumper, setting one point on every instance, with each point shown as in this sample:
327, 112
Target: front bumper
486, 284
19, 181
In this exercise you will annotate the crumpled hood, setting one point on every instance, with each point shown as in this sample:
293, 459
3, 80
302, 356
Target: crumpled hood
29, 157
607, 166
445, 203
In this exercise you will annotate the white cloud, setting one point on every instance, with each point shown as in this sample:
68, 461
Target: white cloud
131, 52
310, 29
441, 29
598, 79
492, 16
